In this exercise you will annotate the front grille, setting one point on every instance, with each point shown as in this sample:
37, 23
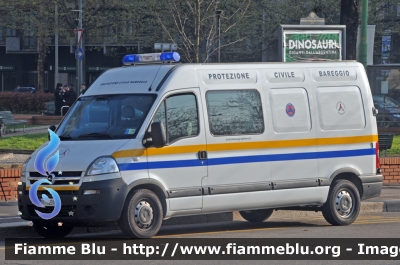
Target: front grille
64, 174
62, 182
66, 178
48, 209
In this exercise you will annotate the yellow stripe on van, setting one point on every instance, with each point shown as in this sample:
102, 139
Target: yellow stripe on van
247, 146
55, 188
176, 149
348, 140
166, 150
261, 145
128, 153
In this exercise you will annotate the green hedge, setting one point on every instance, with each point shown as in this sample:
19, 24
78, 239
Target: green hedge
23, 103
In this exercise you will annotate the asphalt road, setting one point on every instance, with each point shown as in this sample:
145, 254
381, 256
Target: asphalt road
368, 225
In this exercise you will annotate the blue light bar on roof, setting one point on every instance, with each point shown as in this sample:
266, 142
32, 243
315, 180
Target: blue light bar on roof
151, 58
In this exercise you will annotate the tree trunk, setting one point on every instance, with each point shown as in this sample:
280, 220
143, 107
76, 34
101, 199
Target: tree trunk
41, 62
198, 27
350, 16
42, 48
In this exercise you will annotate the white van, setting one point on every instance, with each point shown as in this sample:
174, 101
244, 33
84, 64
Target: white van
150, 140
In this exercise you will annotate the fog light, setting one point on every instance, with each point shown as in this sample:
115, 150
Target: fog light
89, 192
20, 192
88, 210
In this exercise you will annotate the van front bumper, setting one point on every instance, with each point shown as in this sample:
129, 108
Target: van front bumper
77, 207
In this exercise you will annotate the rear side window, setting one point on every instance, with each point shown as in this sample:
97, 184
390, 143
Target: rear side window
340, 108
235, 112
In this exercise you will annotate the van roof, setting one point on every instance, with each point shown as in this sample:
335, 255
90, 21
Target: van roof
123, 79
147, 78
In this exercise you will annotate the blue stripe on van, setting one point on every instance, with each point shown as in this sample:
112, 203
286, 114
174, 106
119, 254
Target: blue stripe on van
246, 159
132, 166
288, 157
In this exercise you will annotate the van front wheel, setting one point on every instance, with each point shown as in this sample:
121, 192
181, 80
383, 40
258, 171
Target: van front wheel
343, 204
142, 215
256, 215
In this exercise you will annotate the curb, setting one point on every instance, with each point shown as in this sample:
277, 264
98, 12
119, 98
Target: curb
5, 155
391, 206
17, 151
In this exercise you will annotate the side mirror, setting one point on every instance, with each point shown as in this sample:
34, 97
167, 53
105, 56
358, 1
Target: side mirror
53, 128
157, 133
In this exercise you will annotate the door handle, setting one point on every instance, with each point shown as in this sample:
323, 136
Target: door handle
202, 155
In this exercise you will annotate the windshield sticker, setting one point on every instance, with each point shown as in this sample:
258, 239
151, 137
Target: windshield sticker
130, 131
122, 82
341, 108
290, 110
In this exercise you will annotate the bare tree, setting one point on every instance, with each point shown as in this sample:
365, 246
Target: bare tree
118, 22
113, 22
32, 21
193, 25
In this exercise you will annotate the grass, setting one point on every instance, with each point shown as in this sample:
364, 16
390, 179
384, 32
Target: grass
395, 150
10, 128
23, 142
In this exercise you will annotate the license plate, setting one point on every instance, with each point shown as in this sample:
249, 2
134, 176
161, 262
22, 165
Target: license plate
50, 203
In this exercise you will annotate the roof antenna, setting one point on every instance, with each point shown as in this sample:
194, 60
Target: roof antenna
150, 88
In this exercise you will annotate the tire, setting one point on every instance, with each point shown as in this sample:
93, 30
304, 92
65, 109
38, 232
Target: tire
52, 230
257, 216
142, 215
343, 204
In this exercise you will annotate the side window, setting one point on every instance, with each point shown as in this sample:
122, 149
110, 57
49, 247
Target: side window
179, 115
235, 112
160, 115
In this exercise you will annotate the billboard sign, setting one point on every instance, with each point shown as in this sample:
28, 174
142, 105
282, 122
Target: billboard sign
312, 45
386, 48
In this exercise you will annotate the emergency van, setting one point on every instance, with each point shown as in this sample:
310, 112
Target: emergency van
155, 139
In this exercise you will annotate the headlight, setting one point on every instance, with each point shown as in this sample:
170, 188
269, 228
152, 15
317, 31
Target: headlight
102, 165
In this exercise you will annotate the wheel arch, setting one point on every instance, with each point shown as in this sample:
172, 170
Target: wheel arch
154, 186
349, 174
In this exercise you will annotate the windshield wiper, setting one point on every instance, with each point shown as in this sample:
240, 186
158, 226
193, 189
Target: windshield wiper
100, 135
65, 137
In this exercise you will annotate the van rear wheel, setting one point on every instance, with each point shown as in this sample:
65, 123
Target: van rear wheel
256, 216
343, 204
142, 215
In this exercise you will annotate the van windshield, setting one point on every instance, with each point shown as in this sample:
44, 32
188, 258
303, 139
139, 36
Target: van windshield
106, 117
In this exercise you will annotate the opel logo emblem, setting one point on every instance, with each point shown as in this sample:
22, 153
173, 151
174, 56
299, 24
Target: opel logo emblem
51, 178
